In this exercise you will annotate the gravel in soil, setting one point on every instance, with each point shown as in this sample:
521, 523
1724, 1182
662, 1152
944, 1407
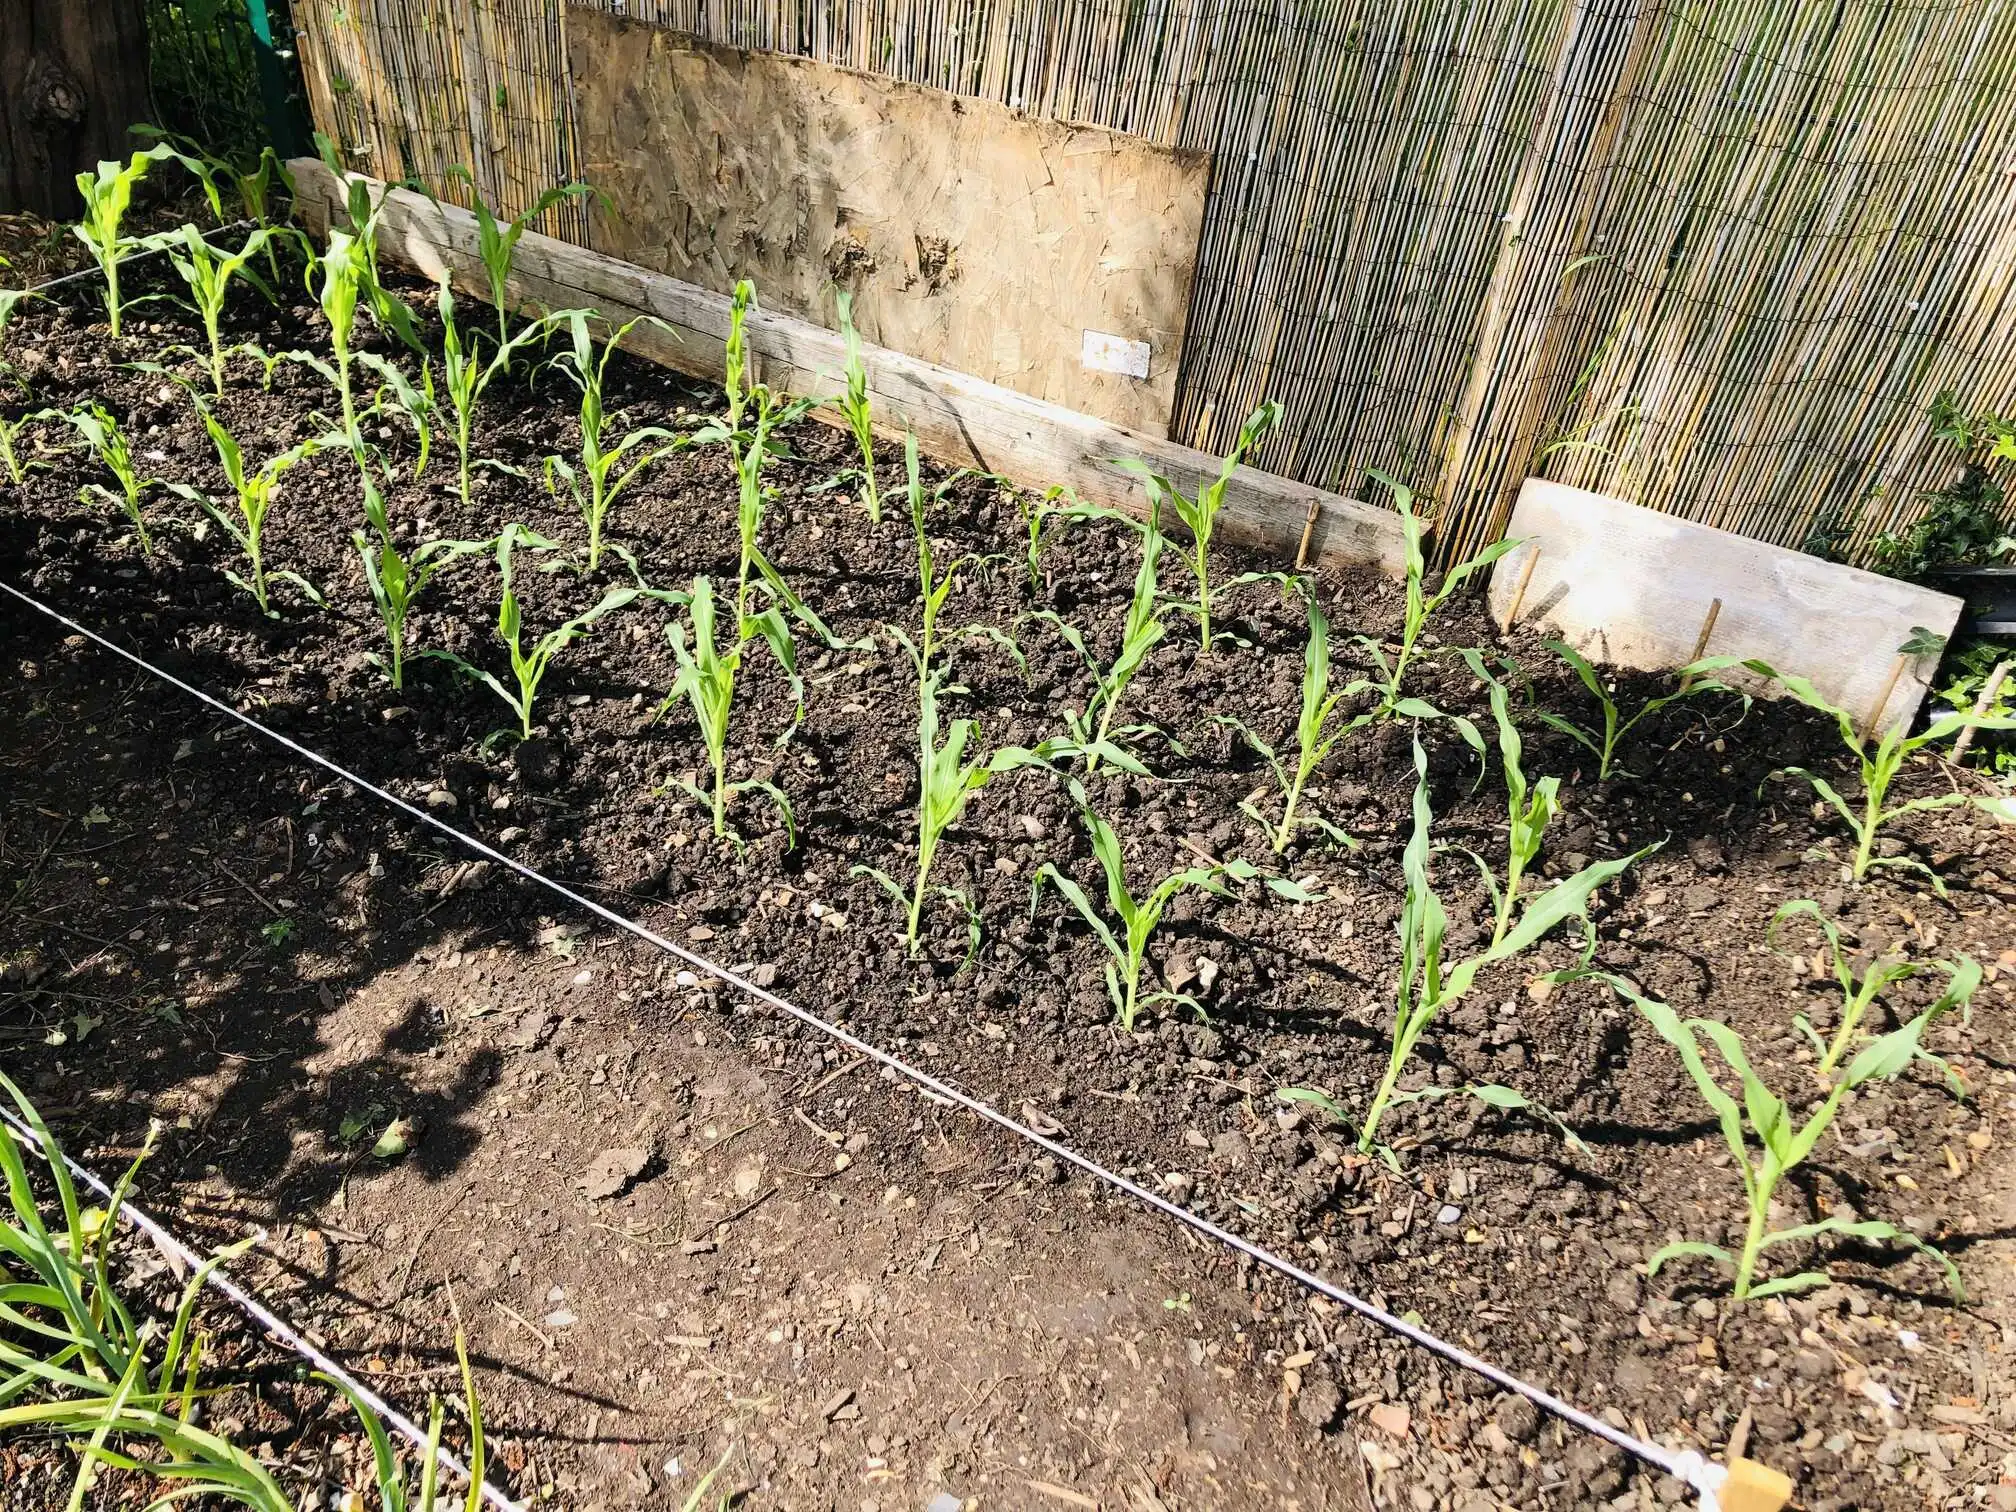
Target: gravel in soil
1874, 1391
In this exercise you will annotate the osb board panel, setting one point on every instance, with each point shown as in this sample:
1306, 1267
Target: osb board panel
970, 235
1633, 587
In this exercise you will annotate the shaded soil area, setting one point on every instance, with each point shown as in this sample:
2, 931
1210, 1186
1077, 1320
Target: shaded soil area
409, 981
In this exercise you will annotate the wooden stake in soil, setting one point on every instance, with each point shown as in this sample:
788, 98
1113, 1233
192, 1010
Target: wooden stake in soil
1883, 700
1752, 1487
1701, 640
1308, 530
1982, 705
1519, 593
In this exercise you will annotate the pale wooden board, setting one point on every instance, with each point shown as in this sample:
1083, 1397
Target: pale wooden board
958, 418
970, 234
1632, 587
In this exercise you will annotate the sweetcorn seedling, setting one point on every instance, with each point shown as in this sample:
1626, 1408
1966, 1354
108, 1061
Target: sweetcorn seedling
1603, 744
10, 444
497, 242
360, 214
11, 300
465, 376
253, 491
344, 270
858, 409
108, 194
396, 579
1428, 985
946, 780
99, 430
605, 470
1317, 732
208, 273
1045, 517
1200, 515
417, 402
1879, 762
1092, 729
707, 682
1127, 949
1529, 809
1783, 1139
529, 668
933, 585
1860, 989
1421, 606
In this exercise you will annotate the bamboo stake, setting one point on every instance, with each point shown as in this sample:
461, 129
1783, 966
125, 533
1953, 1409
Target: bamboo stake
1982, 704
1519, 591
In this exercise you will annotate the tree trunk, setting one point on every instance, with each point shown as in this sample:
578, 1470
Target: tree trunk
73, 78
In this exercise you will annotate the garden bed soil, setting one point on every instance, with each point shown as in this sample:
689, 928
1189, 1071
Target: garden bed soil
1876, 1391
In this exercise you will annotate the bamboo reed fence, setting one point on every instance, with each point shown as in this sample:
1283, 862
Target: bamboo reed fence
1716, 256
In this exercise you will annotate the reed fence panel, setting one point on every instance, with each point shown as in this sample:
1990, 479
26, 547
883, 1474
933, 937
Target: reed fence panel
1716, 256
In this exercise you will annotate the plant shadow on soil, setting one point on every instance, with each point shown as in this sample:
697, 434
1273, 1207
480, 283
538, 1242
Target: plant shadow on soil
1303, 993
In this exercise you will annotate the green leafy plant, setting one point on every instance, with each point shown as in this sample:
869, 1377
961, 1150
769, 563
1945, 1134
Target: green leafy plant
108, 194
387, 1472
417, 402
1603, 744
1861, 989
253, 491
1317, 732
857, 408
396, 579
1092, 729
99, 430
1127, 949
1529, 809
465, 376
605, 470
946, 780
707, 682
344, 271
1044, 517
1427, 984
1421, 606
934, 586
1784, 1140
208, 274
529, 668
1879, 763
360, 215
1200, 515
497, 242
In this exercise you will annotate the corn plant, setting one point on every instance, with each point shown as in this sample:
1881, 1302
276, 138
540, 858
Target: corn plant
707, 682
933, 585
360, 214
1860, 989
10, 444
99, 430
1200, 515
855, 405
11, 300
465, 376
389, 1475
1127, 948
208, 273
497, 243
1529, 809
946, 780
1427, 984
108, 194
1043, 517
1092, 729
529, 667
253, 491
1783, 1139
396, 579
342, 273
418, 403
1421, 606
605, 470
1878, 763
1603, 744
1317, 732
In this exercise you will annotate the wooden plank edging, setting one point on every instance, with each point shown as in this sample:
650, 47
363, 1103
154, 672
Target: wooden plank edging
958, 418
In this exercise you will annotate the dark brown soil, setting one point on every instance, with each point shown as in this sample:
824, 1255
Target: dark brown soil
410, 982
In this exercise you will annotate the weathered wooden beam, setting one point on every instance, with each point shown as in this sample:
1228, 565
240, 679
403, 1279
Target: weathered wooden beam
958, 418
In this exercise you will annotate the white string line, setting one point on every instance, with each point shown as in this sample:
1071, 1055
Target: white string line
94, 271
1687, 1465
261, 1314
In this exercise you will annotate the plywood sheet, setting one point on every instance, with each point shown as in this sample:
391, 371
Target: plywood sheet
958, 418
970, 235
1633, 587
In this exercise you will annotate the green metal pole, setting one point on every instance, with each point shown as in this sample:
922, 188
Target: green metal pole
285, 126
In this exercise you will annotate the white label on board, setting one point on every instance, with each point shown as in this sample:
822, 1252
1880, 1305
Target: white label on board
1107, 353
